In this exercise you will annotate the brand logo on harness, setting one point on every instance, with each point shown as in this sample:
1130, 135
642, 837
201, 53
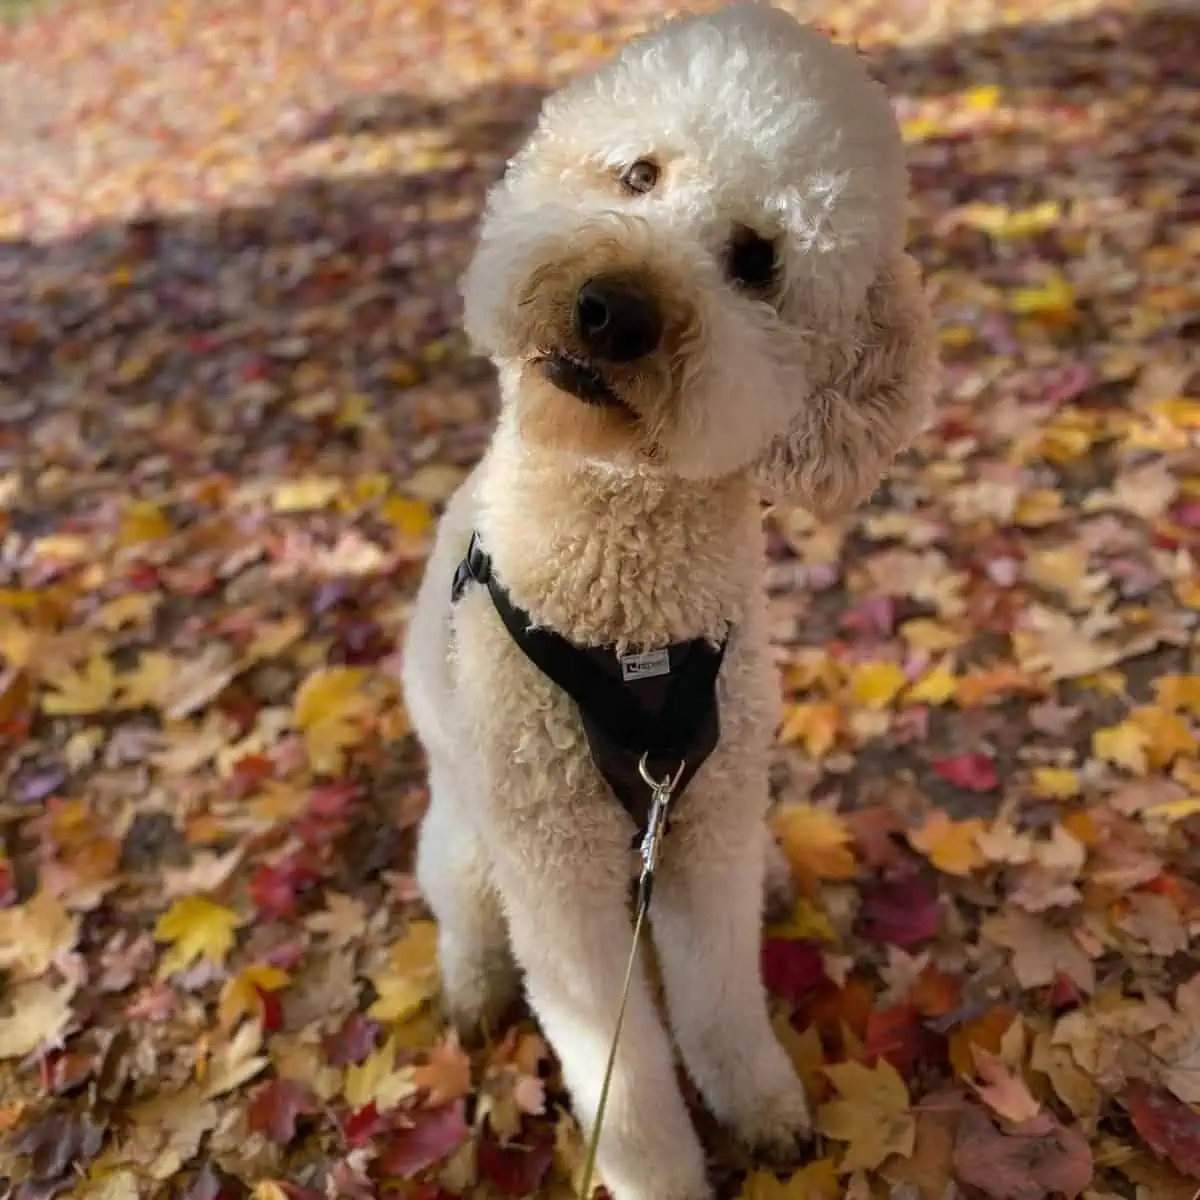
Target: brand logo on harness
645, 666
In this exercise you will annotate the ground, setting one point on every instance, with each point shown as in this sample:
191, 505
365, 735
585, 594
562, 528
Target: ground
232, 398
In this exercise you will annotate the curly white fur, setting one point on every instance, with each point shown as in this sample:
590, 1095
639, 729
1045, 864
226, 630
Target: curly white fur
639, 524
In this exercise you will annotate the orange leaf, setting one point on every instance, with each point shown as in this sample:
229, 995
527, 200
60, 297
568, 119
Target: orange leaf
987, 1033
949, 845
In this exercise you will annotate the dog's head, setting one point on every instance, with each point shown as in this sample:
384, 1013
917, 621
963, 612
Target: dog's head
690, 252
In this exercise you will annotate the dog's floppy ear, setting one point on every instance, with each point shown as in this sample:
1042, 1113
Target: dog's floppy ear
873, 401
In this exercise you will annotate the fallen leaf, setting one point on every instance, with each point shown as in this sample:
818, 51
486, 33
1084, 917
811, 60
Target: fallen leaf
1035, 1160
195, 927
872, 1115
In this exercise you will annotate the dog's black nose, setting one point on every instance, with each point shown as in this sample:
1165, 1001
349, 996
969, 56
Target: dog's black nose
616, 321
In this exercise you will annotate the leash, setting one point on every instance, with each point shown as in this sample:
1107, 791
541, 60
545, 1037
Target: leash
661, 792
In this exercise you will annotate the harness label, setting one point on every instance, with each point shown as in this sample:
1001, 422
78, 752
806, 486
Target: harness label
645, 666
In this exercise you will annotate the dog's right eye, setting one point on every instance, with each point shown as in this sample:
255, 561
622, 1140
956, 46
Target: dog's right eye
641, 177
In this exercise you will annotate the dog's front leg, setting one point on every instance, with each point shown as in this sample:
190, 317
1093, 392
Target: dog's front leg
707, 931
572, 935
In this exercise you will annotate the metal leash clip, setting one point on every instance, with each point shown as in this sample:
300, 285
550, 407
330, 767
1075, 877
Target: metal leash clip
656, 826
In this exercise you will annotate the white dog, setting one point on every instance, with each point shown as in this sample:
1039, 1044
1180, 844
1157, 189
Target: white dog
692, 281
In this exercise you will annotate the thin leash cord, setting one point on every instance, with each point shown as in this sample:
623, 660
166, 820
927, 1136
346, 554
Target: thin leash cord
662, 790
589, 1162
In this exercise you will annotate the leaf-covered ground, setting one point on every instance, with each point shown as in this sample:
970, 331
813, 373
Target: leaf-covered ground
232, 398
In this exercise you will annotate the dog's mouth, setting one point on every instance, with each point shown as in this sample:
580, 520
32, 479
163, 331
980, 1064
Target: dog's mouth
580, 379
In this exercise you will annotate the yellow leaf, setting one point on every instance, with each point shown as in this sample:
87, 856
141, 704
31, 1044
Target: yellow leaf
817, 1181
1037, 508
240, 995
142, 521
815, 841
1002, 222
1179, 692
273, 639
148, 682
876, 685
917, 129
872, 1115
1174, 810
1055, 783
1167, 736
807, 921
303, 495
935, 636
83, 694
134, 608
937, 686
814, 724
411, 977
195, 927
1124, 744
268, 1189
982, 98
951, 846
377, 1080
412, 518
1055, 296
328, 709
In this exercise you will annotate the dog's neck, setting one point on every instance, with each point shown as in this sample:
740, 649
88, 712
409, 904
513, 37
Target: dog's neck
636, 557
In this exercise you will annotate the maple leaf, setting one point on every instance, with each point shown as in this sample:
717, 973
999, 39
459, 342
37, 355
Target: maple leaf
974, 771
39, 1013
903, 913
949, 845
876, 685
1036, 1159
276, 1109
872, 1115
433, 1135
937, 686
242, 995
328, 711
1005, 1093
235, 1062
792, 969
814, 724
195, 927
816, 842
1168, 1126
33, 935
817, 1181
1124, 744
1055, 783
411, 977
446, 1077
84, 693
378, 1081
1040, 952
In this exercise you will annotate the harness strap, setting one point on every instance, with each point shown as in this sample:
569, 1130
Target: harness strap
621, 731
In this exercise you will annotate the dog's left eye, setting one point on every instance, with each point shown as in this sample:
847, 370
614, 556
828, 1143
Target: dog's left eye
752, 261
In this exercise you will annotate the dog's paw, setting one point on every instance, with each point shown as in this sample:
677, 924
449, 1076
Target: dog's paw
778, 1134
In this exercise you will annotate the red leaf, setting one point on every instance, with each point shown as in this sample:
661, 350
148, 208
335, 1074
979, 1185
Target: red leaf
1168, 1126
361, 1126
902, 913
248, 773
277, 1107
518, 1168
275, 887
897, 1035
975, 771
792, 969
352, 1043
270, 1010
333, 801
436, 1135
1037, 1159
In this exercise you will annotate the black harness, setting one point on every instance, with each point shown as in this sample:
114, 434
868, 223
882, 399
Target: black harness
660, 705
